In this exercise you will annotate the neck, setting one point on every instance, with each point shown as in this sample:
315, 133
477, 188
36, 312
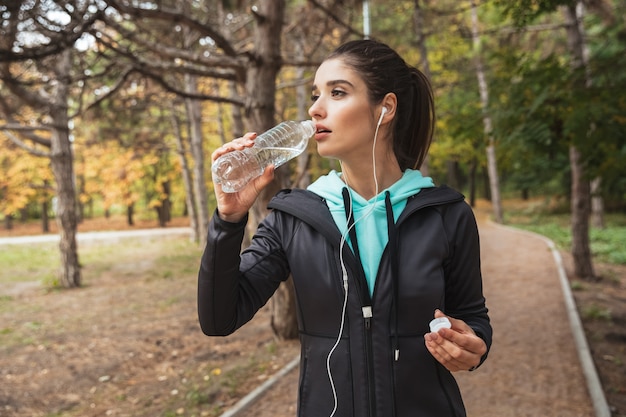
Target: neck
360, 176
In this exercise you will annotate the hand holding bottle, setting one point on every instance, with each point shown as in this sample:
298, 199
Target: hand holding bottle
233, 207
240, 163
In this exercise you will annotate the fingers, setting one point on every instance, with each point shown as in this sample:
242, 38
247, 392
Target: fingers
458, 325
457, 348
448, 356
267, 177
236, 145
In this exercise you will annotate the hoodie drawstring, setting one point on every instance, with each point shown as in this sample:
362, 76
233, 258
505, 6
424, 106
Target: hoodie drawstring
366, 301
393, 255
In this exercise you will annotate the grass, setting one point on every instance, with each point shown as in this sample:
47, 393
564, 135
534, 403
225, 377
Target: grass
21, 263
38, 262
595, 312
607, 244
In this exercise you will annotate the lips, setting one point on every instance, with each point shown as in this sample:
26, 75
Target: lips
321, 132
321, 129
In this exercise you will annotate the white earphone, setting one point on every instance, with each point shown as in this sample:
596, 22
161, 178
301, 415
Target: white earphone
382, 113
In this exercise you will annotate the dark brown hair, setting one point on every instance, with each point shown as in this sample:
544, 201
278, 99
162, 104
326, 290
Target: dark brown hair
384, 71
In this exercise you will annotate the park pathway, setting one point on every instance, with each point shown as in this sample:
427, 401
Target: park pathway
533, 369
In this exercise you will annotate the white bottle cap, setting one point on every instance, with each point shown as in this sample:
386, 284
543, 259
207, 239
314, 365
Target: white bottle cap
439, 323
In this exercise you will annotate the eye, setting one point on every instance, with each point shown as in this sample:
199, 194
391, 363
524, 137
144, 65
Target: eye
337, 93
314, 97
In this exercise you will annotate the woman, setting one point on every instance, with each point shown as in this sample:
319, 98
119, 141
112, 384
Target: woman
375, 251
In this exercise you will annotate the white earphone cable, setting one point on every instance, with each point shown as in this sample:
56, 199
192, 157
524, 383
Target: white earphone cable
344, 271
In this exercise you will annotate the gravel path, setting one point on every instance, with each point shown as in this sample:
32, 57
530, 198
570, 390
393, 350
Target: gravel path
83, 237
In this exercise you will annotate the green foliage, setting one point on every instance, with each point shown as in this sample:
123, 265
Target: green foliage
528, 123
560, 235
595, 312
607, 245
524, 12
599, 110
541, 107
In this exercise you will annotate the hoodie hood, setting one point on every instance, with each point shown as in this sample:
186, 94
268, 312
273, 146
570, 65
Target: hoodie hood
370, 216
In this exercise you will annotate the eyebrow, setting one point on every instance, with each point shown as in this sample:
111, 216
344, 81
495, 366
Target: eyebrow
332, 83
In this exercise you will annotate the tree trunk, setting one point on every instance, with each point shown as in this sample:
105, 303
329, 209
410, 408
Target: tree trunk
62, 164
187, 179
597, 204
238, 125
303, 95
261, 76
472, 182
452, 173
45, 220
581, 208
283, 309
130, 211
8, 222
485, 183
194, 115
492, 164
494, 182
581, 192
420, 34
164, 209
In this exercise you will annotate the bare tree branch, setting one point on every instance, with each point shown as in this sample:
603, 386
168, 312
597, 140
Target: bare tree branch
176, 17
21, 144
179, 54
59, 41
333, 16
204, 70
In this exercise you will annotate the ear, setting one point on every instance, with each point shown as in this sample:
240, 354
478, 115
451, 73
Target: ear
389, 105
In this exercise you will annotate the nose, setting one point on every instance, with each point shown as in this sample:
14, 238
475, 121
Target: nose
316, 111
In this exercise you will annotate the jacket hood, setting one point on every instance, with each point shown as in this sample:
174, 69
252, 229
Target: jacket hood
330, 187
370, 216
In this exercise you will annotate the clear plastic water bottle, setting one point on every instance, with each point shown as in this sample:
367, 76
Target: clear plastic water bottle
276, 146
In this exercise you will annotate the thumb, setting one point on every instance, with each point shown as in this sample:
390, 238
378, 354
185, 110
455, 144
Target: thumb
439, 313
266, 178
458, 325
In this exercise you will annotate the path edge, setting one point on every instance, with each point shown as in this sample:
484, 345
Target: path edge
594, 386
255, 394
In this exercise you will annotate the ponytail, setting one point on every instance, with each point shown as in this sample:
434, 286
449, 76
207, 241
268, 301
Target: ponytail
415, 125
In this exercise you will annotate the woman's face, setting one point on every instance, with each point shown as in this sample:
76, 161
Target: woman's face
342, 112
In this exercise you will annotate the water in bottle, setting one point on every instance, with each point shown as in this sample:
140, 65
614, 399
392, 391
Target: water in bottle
276, 146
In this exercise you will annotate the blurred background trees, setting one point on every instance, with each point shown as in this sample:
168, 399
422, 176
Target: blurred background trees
114, 106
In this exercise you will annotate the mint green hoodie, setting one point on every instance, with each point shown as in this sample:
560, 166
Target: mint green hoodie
370, 216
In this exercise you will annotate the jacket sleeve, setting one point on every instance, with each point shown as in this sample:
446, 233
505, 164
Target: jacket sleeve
234, 285
464, 288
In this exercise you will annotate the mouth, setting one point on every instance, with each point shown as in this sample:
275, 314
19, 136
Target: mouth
321, 130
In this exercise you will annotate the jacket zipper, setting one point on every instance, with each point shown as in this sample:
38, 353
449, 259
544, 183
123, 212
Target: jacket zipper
367, 322
366, 304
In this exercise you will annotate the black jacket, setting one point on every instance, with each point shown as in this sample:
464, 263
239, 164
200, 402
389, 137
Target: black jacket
435, 264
